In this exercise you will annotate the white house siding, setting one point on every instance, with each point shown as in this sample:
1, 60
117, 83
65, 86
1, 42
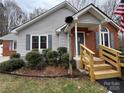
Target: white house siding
88, 18
47, 25
63, 40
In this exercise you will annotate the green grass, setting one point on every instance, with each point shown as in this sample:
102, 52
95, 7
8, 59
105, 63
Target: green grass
13, 84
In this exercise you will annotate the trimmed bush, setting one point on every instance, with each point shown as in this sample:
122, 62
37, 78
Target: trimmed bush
35, 50
12, 64
61, 51
35, 60
16, 55
65, 60
44, 53
52, 58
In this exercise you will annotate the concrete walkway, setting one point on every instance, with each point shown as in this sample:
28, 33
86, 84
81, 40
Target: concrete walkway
115, 85
3, 59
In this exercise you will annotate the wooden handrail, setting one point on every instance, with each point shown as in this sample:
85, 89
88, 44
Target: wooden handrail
87, 58
87, 49
111, 49
111, 56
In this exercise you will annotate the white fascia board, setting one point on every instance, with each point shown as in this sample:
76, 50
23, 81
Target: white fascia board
47, 13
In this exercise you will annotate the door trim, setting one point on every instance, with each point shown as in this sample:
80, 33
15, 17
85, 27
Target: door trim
83, 35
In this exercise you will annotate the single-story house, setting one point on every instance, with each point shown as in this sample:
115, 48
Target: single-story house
90, 27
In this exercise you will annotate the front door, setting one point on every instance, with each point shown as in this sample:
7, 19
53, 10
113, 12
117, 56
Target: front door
81, 40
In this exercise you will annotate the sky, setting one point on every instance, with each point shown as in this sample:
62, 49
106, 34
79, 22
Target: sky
29, 5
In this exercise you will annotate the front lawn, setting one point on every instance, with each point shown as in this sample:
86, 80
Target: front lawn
14, 84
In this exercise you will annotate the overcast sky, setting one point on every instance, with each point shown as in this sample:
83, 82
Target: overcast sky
29, 5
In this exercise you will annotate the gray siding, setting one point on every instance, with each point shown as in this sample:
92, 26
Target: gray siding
88, 18
47, 25
63, 40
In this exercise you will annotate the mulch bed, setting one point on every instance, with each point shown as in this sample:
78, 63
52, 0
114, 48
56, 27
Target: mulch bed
49, 72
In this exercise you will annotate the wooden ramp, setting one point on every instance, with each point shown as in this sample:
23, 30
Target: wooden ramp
107, 66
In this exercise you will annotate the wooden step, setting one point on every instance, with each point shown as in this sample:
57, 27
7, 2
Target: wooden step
98, 60
98, 67
106, 74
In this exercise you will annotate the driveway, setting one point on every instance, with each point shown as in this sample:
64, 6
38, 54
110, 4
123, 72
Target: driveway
3, 59
115, 85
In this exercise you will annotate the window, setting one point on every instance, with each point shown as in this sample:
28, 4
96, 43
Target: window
35, 42
43, 42
12, 45
39, 42
105, 40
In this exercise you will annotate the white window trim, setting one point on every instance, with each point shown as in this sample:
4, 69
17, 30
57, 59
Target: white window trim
104, 38
12, 47
39, 41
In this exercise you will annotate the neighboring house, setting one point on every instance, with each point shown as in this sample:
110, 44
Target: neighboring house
91, 27
9, 44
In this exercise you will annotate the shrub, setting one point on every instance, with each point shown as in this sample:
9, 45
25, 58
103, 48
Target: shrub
12, 64
35, 60
61, 51
35, 50
16, 55
65, 60
52, 58
44, 53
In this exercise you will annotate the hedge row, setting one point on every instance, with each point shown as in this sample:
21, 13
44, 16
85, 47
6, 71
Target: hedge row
35, 60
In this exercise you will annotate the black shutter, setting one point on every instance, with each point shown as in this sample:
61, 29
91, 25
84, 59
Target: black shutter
50, 41
112, 39
28, 37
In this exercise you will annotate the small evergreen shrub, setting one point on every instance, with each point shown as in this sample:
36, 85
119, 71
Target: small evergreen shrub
35, 50
16, 55
65, 60
44, 53
35, 60
52, 58
11, 65
61, 51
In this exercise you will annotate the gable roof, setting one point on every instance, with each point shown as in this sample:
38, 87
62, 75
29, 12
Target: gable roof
98, 11
50, 11
9, 36
87, 8
69, 6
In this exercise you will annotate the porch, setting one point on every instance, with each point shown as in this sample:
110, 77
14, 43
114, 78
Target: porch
108, 65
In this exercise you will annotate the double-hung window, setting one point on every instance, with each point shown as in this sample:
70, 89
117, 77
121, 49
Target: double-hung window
39, 42
12, 45
105, 38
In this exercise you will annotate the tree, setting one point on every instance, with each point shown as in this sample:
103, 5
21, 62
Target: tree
79, 4
14, 14
109, 7
36, 12
3, 20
